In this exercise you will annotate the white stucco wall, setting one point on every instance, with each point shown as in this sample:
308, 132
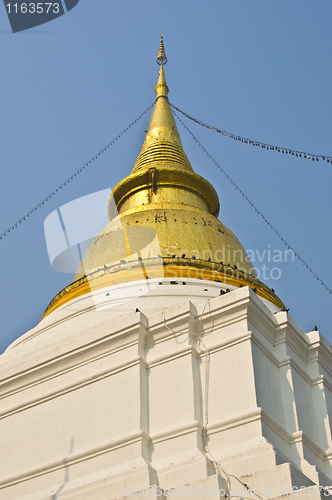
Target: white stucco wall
98, 399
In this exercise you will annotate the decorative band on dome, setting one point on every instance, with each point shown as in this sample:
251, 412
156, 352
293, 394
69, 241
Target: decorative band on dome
162, 152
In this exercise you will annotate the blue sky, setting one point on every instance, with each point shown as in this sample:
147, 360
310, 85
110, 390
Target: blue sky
260, 69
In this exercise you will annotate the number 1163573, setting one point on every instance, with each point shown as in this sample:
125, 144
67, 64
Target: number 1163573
33, 8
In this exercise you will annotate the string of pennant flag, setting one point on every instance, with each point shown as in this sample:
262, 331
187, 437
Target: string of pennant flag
299, 154
263, 145
254, 207
72, 177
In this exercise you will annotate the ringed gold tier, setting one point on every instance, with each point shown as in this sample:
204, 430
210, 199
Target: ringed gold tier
163, 222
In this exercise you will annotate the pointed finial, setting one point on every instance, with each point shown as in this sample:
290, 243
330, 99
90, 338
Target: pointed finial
161, 89
161, 57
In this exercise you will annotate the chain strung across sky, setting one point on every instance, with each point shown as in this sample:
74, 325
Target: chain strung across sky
298, 154
255, 143
252, 205
14, 226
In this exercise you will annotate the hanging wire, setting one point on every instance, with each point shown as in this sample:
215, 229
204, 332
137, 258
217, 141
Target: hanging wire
264, 145
201, 347
28, 214
253, 206
175, 333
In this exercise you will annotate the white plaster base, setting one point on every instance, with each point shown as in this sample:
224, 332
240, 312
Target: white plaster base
111, 394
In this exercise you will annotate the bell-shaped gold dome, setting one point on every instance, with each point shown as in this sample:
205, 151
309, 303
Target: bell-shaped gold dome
163, 219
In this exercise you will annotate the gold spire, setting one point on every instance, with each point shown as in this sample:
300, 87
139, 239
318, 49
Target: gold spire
162, 147
161, 57
164, 197
161, 89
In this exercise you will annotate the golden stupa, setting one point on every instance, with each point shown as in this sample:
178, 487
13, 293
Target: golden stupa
163, 201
